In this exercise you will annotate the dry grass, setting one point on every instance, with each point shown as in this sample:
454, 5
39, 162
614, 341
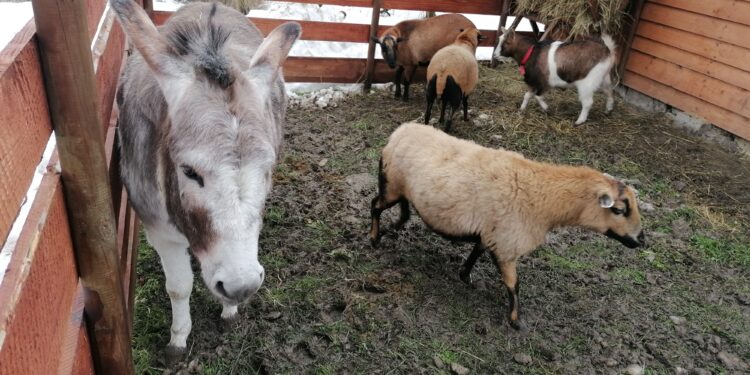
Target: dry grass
582, 16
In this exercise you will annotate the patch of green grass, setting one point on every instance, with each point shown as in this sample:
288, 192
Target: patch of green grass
448, 356
722, 250
275, 215
297, 290
321, 234
561, 262
627, 273
216, 366
326, 369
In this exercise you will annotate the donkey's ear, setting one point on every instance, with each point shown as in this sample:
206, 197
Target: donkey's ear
167, 69
273, 52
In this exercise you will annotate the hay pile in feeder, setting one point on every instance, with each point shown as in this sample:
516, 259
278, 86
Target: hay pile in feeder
579, 17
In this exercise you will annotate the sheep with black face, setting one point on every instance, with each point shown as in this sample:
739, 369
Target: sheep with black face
497, 199
412, 43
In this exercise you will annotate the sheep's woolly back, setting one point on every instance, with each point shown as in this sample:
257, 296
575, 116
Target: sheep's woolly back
460, 188
457, 60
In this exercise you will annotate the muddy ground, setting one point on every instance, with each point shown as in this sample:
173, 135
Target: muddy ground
331, 304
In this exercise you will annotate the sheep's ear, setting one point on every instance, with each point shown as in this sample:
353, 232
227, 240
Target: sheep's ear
606, 201
376, 40
273, 52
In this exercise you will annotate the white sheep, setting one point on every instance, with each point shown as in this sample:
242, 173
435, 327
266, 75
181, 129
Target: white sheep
452, 76
497, 199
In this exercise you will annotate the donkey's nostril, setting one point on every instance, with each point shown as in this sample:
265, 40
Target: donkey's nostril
220, 289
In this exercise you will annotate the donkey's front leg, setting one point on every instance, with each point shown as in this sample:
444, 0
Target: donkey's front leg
179, 283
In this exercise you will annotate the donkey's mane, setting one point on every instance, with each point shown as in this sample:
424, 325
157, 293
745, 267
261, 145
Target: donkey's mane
204, 41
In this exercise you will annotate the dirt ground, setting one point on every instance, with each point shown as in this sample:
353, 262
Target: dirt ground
331, 304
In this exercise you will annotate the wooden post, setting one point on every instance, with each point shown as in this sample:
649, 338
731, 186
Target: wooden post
370, 67
534, 28
73, 102
503, 20
636, 17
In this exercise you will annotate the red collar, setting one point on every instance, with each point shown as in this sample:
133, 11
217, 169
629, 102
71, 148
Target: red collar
522, 66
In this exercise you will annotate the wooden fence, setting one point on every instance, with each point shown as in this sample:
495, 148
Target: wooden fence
695, 55
62, 305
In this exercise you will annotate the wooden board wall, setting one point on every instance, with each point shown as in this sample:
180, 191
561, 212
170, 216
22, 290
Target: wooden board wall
695, 56
42, 329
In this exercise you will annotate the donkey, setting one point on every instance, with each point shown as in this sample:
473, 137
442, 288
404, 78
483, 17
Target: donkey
202, 105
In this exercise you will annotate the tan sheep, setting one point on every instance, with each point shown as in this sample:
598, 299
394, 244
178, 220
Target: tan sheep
497, 199
411, 43
452, 75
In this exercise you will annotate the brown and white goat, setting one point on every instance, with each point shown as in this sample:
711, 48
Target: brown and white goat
452, 75
585, 64
497, 199
411, 43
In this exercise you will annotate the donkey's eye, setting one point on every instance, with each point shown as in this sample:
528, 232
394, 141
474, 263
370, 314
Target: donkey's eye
617, 211
191, 174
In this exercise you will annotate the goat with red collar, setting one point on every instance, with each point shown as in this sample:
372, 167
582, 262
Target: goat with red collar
585, 64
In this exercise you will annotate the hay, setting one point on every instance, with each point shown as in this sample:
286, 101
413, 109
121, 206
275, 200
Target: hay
583, 17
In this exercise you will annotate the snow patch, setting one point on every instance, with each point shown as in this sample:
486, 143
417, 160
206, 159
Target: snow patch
13, 17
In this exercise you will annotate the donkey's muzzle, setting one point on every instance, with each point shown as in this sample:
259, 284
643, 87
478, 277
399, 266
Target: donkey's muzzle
242, 291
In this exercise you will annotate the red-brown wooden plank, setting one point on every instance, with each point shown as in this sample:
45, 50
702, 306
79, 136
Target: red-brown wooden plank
38, 289
326, 31
94, 10
453, 6
708, 89
25, 126
726, 53
84, 364
337, 70
700, 64
726, 120
729, 32
108, 71
75, 346
730, 10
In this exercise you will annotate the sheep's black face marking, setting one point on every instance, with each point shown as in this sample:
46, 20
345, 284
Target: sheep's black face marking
626, 239
388, 48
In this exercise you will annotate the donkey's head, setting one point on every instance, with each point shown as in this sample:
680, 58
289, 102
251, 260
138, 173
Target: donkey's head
220, 140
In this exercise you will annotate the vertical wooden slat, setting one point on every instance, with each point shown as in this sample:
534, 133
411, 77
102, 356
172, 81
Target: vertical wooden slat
625, 54
71, 91
370, 67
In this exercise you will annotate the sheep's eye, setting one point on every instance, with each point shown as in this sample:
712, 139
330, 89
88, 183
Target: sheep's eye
191, 174
617, 211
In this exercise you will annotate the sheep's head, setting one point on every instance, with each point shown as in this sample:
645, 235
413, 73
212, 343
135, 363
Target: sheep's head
472, 37
615, 213
389, 45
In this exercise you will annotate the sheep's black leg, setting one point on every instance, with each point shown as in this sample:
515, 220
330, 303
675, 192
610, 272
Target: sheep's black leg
510, 279
397, 80
430, 94
452, 94
443, 101
405, 213
466, 107
465, 272
407, 81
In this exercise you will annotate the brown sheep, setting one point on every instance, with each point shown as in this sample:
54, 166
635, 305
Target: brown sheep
497, 199
411, 43
452, 75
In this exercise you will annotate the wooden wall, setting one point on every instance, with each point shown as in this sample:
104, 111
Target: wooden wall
695, 56
42, 325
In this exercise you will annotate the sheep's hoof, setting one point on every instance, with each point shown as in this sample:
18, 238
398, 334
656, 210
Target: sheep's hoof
173, 354
519, 325
465, 276
375, 241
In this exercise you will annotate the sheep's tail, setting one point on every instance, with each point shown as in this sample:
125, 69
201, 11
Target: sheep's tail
440, 83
